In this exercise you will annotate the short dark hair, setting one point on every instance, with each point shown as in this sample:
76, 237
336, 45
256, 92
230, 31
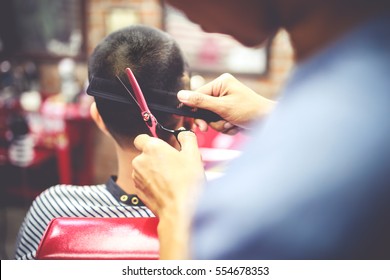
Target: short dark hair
157, 63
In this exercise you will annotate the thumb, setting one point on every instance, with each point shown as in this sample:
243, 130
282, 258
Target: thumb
140, 141
189, 143
198, 100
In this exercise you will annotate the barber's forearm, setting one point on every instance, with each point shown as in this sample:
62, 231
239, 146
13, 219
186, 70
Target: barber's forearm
174, 232
174, 228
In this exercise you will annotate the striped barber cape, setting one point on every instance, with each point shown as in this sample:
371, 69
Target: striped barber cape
105, 200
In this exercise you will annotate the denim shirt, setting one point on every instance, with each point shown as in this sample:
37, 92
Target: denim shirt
314, 180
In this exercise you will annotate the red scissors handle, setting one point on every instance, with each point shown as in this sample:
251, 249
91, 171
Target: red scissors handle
147, 116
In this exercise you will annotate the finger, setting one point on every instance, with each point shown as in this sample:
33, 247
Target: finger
228, 126
199, 100
141, 191
138, 183
201, 124
218, 126
146, 197
217, 86
140, 141
189, 143
232, 131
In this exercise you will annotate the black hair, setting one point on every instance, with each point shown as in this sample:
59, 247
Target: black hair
157, 63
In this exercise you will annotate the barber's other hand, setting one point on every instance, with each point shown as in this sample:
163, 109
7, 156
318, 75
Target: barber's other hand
237, 104
166, 178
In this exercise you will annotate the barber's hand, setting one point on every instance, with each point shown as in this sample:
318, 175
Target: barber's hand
237, 104
167, 181
165, 177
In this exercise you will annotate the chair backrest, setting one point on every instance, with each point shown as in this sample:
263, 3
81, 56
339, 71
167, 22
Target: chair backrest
100, 238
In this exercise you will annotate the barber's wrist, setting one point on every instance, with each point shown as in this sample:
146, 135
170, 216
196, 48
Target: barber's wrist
174, 232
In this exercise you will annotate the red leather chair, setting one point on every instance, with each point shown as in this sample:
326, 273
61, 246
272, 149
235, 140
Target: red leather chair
100, 239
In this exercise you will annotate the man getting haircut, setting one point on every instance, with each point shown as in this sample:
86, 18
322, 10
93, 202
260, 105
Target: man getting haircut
159, 67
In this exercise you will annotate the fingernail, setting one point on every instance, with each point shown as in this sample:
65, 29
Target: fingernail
228, 125
183, 95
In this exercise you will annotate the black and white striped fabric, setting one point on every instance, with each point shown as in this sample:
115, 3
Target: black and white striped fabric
72, 201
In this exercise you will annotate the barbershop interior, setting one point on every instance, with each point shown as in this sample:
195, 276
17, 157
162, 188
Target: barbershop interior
47, 135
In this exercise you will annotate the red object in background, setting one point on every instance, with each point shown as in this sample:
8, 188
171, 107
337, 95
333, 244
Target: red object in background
205, 139
100, 239
74, 152
217, 149
72, 141
25, 183
215, 139
62, 152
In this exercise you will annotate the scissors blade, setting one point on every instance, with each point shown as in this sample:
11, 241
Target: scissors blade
139, 99
137, 91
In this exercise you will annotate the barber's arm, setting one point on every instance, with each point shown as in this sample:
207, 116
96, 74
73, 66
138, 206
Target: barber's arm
168, 182
237, 104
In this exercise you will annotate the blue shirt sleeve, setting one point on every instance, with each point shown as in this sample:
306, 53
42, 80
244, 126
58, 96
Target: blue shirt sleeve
314, 181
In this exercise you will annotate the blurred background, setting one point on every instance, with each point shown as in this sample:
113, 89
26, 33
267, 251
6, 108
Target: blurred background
46, 134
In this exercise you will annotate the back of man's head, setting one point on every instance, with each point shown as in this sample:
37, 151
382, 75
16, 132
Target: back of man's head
157, 63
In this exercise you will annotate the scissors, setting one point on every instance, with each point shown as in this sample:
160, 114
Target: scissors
149, 119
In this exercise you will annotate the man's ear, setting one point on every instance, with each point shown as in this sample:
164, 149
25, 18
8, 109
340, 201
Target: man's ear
98, 119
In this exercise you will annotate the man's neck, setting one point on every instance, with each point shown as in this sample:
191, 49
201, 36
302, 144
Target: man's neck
326, 24
125, 169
